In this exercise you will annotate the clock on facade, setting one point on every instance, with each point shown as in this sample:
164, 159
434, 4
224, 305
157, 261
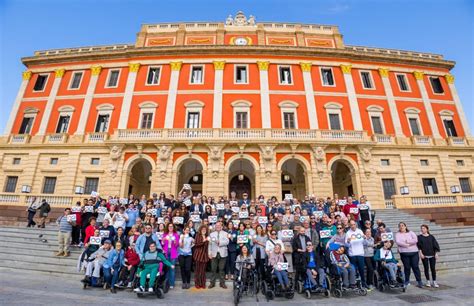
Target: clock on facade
241, 41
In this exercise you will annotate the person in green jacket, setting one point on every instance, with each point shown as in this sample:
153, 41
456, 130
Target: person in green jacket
151, 261
387, 259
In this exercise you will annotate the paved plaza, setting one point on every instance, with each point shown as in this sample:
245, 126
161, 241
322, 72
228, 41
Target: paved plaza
32, 288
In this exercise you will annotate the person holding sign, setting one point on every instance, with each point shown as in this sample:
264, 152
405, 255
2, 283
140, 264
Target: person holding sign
299, 254
259, 243
107, 231
186, 242
243, 232
272, 242
232, 249
246, 261
218, 254
65, 229
409, 254
113, 265
369, 257
276, 257
143, 242
170, 243
76, 229
355, 239
96, 261
351, 209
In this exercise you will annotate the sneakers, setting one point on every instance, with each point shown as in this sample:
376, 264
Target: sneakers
419, 284
435, 284
428, 284
66, 254
59, 254
129, 285
171, 287
151, 289
139, 289
211, 285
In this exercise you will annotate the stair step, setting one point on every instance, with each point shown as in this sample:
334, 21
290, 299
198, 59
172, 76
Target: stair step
50, 260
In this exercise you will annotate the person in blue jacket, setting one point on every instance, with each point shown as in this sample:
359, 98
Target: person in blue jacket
112, 266
143, 242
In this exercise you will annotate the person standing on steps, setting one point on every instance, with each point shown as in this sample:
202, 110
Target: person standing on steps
32, 211
64, 235
44, 210
218, 254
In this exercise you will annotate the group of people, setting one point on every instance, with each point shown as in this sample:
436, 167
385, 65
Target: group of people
203, 233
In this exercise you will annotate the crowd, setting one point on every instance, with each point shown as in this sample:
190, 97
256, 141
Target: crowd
204, 233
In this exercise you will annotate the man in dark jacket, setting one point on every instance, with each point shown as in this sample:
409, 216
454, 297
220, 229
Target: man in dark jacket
299, 254
314, 265
44, 210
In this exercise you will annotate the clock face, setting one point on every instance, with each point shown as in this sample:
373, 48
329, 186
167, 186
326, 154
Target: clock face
241, 41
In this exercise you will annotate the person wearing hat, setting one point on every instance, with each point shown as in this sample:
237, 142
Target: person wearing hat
343, 264
97, 260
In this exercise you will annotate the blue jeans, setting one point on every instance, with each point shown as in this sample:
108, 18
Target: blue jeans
171, 273
359, 265
111, 277
282, 277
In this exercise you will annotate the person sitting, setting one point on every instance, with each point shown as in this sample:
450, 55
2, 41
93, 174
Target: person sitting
245, 261
131, 261
314, 265
96, 261
344, 266
151, 261
113, 265
387, 260
144, 241
275, 257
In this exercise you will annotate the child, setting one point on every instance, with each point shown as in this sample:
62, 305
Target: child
151, 261
387, 259
344, 266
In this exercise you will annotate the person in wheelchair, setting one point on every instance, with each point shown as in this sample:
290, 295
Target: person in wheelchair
386, 260
244, 261
344, 266
314, 266
95, 262
275, 257
150, 262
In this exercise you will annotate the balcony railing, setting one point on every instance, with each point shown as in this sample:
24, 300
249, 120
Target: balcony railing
343, 135
382, 138
433, 200
19, 138
457, 141
97, 137
421, 140
57, 138
139, 134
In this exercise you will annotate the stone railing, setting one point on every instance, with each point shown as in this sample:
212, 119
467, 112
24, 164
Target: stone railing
97, 137
383, 138
343, 135
457, 141
9, 198
433, 200
24, 199
395, 52
389, 204
421, 140
139, 134
83, 50
57, 138
19, 138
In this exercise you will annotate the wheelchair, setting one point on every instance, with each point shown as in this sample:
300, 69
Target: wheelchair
161, 286
245, 283
309, 289
382, 279
271, 287
337, 288
93, 282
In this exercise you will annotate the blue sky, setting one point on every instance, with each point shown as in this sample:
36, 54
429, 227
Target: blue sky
444, 27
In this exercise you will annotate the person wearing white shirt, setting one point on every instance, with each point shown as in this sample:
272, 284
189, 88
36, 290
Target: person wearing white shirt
355, 243
120, 218
272, 241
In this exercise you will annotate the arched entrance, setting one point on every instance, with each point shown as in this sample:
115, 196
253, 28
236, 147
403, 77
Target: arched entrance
242, 178
190, 172
343, 178
139, 180
293, 179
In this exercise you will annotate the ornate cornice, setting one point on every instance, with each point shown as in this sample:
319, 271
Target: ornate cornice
418, 75
219, 65
176, 66
134, 67
263, 66
346, 69
384, 72
306, 67
95, 70
59, 73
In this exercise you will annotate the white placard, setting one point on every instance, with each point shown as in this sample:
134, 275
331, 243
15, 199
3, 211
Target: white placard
159, 235
94, 194
354, 210
356, 237
178, 220
318, 213
233, 203
342, 202
102, 210
363, 207
89, 209
304, 218
220, 206
386, 236
288, 196
75, 209
287, 233
160, 220
104, 233
235, 209
242, 238
212, 219
280, 266
263, 220
325, 233
152, 211
187, 202
236, 223
195, 218
123, 201
95, 240
243, 215
113, 201
71, 218
186, 186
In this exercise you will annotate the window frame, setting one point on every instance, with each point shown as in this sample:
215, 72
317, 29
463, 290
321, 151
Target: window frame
102, 110
56, 159
71, 81
435, 185
288, 107
241, 106
460, 163
109, 75
414, 113
279, 67
383, 160
160, 67
44, 184
92, 161
371, 79
16, 159
334, 108
147, 107
85, 184
468, 180
45, 82
7, 185
246, 73
193, 107
405, 77
322, 78
394, 187
430, 78
424, 162
191, 74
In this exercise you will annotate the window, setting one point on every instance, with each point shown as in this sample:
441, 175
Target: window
197, 74
147, 120
415, 128
389, 190
16, 160
436, 85
450, 128
241, 121
49, 184
10, 184
377, 124
460, 163
102, 123
63, 124
334, 122
465, 185
92, 184
40, 82
289, 120
26, 125
53, 161
429, 185
328, 78
385, 162
76, 80
113, 78
153, 77
402, 82
95, 161
193, 120
285, 75
366, 79
241, 76
424, 162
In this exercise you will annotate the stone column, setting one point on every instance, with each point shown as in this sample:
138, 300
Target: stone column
310, 102
81, 127
172, 93
391, 102
457, 102
218, 83
127, 98
59, 73
264, 94
353, 104
16, 105
426, 102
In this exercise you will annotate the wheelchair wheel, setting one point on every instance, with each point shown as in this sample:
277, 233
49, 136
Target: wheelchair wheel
264, 288
328, 283
166, 287
338, 293
159, 293
299, 287
236, 297
270, 295
308, 294
290, 295
327, 293
362, 291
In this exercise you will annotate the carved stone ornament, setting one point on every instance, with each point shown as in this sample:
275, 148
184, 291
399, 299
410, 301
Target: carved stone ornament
164, 153
215, 153
115, 155
319, 153
365, 154
240, 20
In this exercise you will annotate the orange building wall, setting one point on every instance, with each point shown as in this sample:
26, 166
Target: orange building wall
444, 96
92, 119
376, 83
414, 89
185, 76
340, 85
29, 93
180, 109
296, 74
40, 105
73, 122
301, 110
160, 111
228, 110
424, 123
165, 73
103, 77
253, 77
322, 112
66, 80
365, 118
437, 107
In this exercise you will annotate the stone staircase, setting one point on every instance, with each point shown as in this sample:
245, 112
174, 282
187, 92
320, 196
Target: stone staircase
451, 239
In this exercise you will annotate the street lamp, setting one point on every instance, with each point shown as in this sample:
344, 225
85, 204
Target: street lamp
404, 190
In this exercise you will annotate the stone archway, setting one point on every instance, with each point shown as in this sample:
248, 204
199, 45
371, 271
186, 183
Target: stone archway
344, 180
139, 177
241, 177
293, 178
190, 171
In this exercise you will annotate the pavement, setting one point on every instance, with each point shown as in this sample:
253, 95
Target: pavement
36, 288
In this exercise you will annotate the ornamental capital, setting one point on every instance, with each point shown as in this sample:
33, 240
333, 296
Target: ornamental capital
26, 75
449, 78
95, 70
176, 66
219, 65
263, 66
306, 67
59, 73
418, 75
346, 69
134, 67
384, 72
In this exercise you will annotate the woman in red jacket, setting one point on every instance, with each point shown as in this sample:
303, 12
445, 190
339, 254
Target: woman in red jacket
201, 256
90, 230
127, 274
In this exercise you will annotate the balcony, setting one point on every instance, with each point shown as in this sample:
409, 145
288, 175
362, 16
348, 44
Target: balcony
433, 200
456, 141
421, 140
385, 139
19, 139
57, 138
97, 137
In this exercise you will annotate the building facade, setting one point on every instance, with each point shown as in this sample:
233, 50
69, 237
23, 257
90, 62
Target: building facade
266, 108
